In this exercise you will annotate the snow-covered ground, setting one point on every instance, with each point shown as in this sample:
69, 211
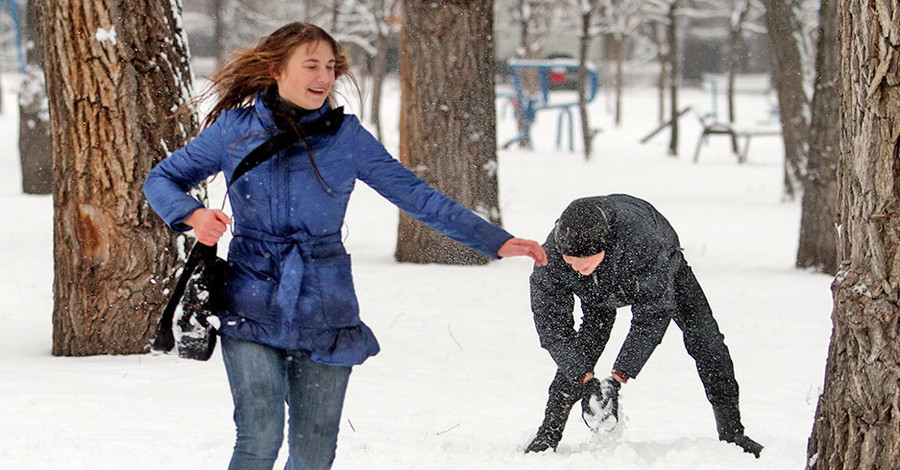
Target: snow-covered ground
461, 380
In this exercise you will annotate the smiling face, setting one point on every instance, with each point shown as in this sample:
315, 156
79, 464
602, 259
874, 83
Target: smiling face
307, 76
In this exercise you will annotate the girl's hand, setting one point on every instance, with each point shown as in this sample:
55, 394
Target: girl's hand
522, 247
209, 225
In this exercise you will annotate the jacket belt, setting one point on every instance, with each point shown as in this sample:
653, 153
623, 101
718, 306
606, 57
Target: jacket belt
293, 263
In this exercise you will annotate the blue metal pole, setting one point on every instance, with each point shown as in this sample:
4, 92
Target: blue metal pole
14, 13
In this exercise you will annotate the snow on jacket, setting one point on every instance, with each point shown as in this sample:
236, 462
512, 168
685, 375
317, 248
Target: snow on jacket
289, 282
638, 270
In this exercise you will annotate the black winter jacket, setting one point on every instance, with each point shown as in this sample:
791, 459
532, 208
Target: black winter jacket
638, 270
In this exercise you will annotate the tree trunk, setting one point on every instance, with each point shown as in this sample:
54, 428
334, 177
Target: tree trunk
619, 50
34, 118
222, 13
380, 14
674, 75
448, 135
735, 43
731, 66
584, 46
528, 81
787, 73
662, 57
535, 19
116, 72
378, 74
817, 248
857, 423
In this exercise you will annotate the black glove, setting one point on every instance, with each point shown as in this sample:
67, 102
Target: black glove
749, 445
600, 403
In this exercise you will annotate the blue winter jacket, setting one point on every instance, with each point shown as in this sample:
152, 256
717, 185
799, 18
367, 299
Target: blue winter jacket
289, 282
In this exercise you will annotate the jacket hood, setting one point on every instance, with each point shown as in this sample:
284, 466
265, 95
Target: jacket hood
584, 229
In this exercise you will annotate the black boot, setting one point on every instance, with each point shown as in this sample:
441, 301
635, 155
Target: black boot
728, 420
547, 437
555, 416
728, 423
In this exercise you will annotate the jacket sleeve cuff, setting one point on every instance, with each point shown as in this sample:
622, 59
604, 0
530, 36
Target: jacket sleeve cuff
176, 222
502, 238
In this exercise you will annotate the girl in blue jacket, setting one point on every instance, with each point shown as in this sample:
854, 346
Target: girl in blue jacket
290, 326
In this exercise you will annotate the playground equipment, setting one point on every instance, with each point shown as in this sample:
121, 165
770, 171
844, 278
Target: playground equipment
549, 77
11, 30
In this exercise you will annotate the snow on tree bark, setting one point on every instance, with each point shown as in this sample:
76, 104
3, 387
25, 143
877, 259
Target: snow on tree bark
447, 129
857, 423
118, 72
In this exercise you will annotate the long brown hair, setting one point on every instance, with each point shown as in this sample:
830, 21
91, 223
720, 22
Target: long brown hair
237, 82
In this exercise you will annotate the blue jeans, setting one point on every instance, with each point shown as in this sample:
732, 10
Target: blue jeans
262, 379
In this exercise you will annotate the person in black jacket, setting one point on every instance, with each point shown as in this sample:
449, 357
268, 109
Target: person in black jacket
612, 251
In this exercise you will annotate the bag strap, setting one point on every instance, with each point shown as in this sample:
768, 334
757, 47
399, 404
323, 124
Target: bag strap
328, 122
263, 152
164, 340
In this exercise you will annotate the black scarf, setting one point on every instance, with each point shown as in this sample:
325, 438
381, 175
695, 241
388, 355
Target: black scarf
288, 116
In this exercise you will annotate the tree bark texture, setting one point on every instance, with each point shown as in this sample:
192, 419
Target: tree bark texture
857, 423
817, 247
117, 72
447, 131
34, 117
787, 74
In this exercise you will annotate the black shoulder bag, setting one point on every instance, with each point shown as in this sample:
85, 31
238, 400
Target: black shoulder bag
197, 293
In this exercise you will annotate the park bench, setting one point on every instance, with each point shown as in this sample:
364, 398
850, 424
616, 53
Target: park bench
711, 125
737, 134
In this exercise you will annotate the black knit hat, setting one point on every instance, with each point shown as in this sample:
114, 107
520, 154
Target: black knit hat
583, 229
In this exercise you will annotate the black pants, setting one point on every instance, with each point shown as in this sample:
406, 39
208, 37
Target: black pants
702, 340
